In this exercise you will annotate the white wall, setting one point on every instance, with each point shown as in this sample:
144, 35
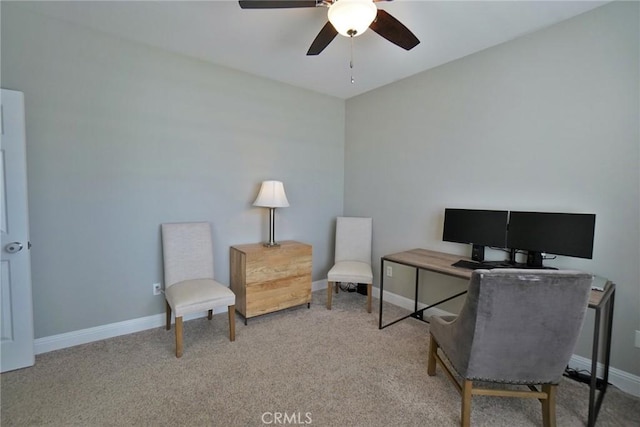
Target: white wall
122, 137
547, 122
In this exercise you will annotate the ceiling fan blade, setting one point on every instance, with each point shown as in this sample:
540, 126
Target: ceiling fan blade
276, 4
393, 30
322, 40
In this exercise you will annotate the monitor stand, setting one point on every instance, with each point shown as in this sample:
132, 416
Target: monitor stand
477, 253
534, 259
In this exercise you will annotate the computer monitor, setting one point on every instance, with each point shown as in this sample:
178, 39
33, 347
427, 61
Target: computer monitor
476, 226
569, 234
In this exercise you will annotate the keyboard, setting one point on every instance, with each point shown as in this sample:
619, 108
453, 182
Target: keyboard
474, 265
488, 265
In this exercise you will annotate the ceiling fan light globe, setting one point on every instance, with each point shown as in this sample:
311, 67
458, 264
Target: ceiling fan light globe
351, 18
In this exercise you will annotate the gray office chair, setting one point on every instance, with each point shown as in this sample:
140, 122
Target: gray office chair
352, 257
515, 327
188, 276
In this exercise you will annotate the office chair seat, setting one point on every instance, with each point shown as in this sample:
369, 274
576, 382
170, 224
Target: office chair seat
350, 272
192, 296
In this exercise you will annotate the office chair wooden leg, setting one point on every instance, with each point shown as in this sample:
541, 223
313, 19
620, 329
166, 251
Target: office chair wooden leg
431, 363
466, 403
329, 294
179, 336
168, 310
232, 322
549, 406
210, 315
369, 290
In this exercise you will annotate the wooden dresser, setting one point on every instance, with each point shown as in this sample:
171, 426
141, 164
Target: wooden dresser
267, 279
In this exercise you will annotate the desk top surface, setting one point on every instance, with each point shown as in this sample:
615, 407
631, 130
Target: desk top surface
431, 260
440, 262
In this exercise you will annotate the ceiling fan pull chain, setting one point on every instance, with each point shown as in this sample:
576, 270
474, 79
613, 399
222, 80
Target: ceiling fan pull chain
351, 61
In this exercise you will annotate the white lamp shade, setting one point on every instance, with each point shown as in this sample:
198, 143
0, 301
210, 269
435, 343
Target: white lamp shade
271, 195
352, 17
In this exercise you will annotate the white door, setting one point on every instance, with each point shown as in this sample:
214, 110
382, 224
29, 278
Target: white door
16, 307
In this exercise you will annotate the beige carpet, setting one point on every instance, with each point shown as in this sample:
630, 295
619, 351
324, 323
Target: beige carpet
305, 366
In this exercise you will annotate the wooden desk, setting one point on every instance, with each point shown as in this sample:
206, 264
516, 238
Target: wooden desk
600, 301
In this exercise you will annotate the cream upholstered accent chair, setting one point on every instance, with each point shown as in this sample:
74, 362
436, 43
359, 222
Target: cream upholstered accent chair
352, 256
516, 327
187, 253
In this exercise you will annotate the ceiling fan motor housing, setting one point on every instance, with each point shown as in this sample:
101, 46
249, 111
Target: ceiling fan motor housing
352, 17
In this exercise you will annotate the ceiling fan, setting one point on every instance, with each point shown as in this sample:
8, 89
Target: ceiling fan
349, 18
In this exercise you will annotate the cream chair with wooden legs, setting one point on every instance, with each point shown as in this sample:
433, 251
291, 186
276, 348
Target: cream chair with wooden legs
187, 252
352, 256
516, 328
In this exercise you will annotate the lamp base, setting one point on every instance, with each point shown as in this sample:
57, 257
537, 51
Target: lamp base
272, 229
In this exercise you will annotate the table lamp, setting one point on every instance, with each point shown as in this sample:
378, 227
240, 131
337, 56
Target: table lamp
271, 196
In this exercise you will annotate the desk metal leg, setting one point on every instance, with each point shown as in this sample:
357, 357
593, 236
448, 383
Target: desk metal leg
593, 384
597, 384
381, 292
607, 356
417, 313
415, 300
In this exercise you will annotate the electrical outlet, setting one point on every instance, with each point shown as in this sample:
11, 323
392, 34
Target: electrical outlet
389, 271
638, 339
157, 290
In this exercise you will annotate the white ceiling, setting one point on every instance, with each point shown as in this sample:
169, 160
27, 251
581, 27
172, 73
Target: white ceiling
273, 43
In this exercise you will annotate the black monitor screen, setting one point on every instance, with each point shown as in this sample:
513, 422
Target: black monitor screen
555, 233
479, 227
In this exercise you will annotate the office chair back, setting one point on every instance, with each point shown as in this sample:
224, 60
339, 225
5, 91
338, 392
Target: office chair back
187, 252
353, 239
525, 324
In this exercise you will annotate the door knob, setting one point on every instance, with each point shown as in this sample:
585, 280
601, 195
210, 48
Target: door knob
13, 247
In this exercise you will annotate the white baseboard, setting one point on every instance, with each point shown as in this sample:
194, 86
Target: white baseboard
625, 381
85, 336
319, 284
